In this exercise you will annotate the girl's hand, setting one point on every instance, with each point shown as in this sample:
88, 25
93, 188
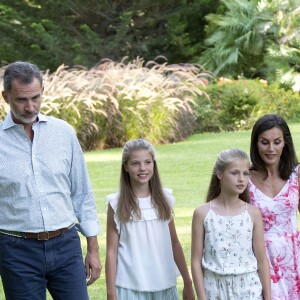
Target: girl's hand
188, 292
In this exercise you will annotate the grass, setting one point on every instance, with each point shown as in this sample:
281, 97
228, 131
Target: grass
185, 167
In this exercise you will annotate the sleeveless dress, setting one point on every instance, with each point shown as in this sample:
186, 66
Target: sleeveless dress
282, 239
145, 261
229, 264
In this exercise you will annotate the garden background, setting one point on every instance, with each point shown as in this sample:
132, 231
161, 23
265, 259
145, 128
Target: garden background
191, 76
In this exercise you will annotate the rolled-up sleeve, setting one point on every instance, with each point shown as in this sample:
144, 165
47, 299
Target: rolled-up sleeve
81, 193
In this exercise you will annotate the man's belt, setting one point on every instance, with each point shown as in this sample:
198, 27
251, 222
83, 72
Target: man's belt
41, 236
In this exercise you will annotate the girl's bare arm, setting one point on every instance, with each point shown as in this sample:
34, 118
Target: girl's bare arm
112, 239
188, 293
197, 250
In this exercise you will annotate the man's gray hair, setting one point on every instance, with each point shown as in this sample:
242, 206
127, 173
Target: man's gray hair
22, 71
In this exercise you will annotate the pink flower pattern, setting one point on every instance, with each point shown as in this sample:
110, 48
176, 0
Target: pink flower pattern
282, 238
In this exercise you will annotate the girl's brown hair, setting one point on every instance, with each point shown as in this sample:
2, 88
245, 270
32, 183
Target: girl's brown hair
224, 159
128, 202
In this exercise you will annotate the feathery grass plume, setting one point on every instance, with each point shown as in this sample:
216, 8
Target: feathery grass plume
116, 101
74, 94
153, 98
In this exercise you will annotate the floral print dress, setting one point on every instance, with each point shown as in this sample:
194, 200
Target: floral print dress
282, 238
229, 264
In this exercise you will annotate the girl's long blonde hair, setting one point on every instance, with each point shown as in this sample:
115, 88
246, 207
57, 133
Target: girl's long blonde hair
128, 203
224, 159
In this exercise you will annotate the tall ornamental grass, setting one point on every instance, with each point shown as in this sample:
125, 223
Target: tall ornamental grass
114, 102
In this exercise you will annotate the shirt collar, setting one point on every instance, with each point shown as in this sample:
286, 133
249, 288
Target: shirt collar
8, 121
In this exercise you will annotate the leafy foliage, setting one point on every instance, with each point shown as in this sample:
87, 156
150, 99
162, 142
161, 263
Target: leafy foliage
35, 30
234, 105
278, 100
253, 38
229, 106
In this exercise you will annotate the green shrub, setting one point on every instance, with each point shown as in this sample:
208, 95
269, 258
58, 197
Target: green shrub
229, 106
276, 99
234, 105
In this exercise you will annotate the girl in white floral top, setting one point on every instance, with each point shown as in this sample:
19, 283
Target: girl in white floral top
228, 255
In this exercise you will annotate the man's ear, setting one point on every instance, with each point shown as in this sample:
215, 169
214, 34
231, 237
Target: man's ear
5, 96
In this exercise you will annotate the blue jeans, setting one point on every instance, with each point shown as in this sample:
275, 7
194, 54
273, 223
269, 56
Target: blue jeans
29, 267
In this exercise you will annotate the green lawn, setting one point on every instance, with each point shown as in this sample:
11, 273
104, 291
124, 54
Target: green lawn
185, 167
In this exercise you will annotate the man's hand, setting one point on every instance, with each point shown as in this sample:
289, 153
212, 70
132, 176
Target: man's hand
92, 260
